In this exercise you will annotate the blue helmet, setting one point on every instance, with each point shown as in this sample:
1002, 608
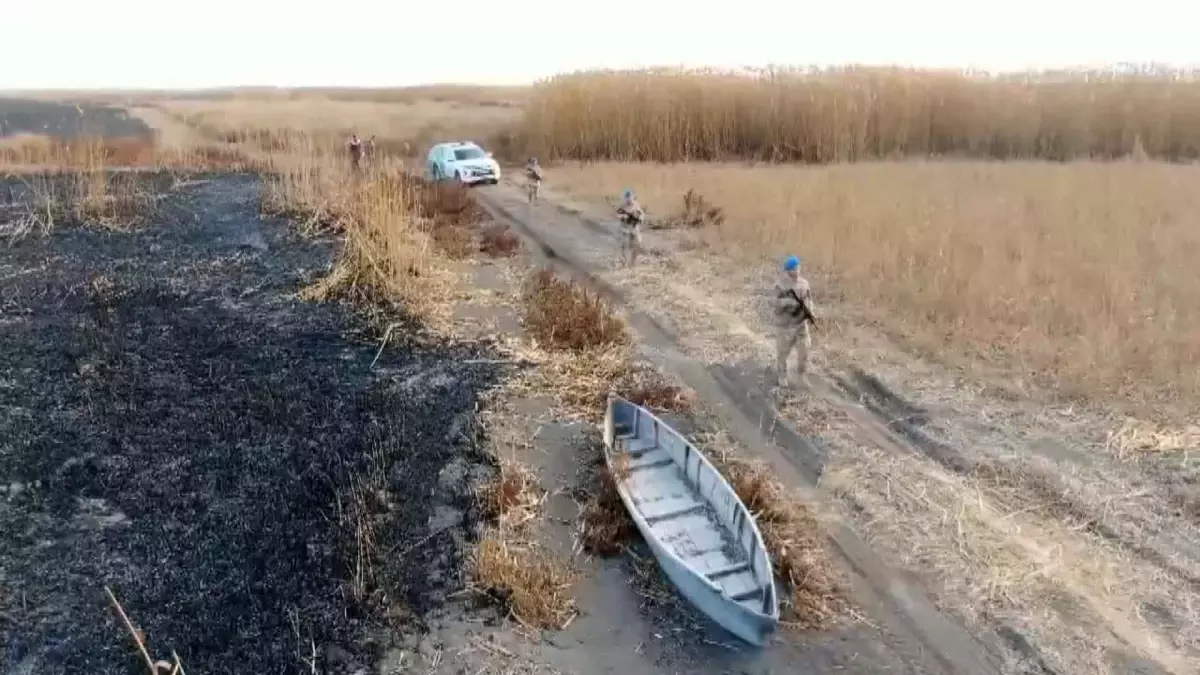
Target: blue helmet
628, 193
792, 263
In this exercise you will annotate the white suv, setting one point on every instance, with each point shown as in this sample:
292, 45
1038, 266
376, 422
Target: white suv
465, 162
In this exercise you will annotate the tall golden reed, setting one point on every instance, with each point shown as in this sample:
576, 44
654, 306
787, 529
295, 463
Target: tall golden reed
851, 114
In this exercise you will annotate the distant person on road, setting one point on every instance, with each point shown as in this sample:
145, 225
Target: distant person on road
632, 215
789, 290
533, 171
355, 145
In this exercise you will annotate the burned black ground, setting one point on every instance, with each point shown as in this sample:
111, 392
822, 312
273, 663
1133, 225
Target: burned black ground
174, 423
66, 120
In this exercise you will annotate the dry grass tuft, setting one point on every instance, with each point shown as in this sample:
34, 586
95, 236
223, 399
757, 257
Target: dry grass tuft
562, 315
95, 198
453, 241
589, 351
795, 543
647, 387
1136, 439
533, 586
857, 113
499, 241
513, 497
392, 258
697, 212
446, 202
605, 526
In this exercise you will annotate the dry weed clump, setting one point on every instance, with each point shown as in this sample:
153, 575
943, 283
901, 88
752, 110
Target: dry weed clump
513, 497
649, 388
697, 212
562, 315
533, 586
499, 241
605, 526
390, 258
856, 113
795, 543
1136, 439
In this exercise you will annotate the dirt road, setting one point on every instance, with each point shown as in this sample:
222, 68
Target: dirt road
975, 545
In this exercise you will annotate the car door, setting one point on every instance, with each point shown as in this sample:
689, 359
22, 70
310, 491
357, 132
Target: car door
432, 161
448, 162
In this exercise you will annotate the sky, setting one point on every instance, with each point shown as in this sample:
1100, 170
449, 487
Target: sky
214, 43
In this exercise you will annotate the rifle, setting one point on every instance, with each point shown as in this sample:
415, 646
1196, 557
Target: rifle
803, 310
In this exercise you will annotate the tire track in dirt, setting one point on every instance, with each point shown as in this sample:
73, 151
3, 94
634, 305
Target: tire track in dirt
906, 420
923, 637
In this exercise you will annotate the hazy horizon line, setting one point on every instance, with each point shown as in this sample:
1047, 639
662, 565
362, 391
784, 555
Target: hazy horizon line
1130, 68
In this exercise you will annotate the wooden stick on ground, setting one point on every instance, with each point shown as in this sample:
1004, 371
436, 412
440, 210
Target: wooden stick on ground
132, 631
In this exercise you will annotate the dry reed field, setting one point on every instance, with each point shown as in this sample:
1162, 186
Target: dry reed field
1072, 275
402, 126
853, 114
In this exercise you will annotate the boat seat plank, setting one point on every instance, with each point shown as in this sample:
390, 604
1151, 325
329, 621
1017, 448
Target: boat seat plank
691, 543
696, 524
657, 464
726, 570
658, 486
656, 456
681, 508
711, 561
755, 592
638, 445
734, 585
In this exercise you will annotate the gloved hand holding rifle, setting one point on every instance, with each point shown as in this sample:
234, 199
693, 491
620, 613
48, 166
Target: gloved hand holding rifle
802, 310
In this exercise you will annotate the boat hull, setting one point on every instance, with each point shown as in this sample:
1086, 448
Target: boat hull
747, 623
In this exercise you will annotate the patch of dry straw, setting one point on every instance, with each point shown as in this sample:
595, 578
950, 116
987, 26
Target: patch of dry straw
514, 497
534, 586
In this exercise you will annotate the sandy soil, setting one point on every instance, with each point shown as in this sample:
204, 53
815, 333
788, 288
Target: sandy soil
1064, 542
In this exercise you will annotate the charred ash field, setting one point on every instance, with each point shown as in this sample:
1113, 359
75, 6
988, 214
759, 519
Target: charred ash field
177, 425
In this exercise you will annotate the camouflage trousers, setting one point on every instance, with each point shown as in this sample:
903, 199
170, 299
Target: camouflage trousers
631, 242
788, 339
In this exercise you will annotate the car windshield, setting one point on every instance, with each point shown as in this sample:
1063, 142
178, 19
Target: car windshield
469, 153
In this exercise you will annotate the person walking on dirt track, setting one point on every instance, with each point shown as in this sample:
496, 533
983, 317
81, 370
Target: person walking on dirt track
632, 215
793, 314
533, 172
355, 146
